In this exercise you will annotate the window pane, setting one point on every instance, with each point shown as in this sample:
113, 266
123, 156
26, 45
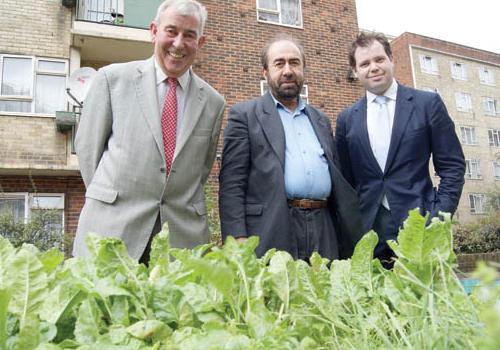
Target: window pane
268, 4
12, 206
290, 12
269, 17
50, 91
47, 202
17, 76
51, 220
52, 66
15, 106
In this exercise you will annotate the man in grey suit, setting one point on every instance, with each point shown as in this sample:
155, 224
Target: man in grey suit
279, 178
147, 140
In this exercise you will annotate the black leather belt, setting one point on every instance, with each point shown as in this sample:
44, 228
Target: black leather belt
308, 203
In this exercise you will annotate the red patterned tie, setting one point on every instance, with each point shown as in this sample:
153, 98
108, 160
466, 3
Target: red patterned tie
169, 122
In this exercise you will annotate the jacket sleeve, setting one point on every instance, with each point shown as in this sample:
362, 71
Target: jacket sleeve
343, 147
447, 156
233, 177
214, 139
94, 128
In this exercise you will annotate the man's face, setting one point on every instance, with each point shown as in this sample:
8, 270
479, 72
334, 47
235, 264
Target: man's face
285, 71
176, 42
374, 68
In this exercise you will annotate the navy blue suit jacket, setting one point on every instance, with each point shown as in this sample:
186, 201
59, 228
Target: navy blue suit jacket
422, 128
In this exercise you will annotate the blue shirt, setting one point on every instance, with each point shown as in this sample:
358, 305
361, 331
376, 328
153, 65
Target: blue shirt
306, 169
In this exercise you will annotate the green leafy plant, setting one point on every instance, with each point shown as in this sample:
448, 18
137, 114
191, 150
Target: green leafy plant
226, 298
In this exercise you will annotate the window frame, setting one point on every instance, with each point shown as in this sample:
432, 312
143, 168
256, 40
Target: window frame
481, 71
29, 197
456, 68
434, 66
496, 168
473, 169
463, 139
467, 98
35, 73
494, 137
473, 197
278, 12
495, 103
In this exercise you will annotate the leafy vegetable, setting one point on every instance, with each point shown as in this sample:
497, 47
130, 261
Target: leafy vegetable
226, 298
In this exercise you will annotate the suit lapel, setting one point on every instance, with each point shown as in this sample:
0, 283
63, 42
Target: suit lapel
145, 85
272, 127
360, 121
195, 101
322, 130
402, 115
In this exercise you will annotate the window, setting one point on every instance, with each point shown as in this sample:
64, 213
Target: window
477, 203
458, 71
304, 93
284, 12
491, 106
32, 85
494, 137
430, 89
468, 135
47, 210
496, 169
473, 169
428, 64
463, 102
105, 11
486, 76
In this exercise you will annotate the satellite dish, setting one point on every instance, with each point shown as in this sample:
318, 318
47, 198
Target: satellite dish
78, 85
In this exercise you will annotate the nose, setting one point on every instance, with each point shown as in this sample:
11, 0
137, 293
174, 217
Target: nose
287, 70
178, 40
373, 66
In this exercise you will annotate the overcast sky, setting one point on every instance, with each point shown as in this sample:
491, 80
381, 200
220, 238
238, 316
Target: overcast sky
470, 23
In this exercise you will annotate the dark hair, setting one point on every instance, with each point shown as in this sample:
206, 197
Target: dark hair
264, 57
365, 40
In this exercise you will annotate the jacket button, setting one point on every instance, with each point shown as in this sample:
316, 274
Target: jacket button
162, 169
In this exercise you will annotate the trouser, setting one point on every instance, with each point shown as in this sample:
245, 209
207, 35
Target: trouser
313, 231
156, 229
386, 230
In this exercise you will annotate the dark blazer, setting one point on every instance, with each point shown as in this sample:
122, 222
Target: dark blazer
422, 127
252, 198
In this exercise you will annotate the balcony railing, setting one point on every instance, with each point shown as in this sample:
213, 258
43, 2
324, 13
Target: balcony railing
129, 13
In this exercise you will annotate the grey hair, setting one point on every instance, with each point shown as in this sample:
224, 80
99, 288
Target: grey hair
185, 8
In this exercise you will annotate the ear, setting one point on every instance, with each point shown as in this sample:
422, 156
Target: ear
264, 74
153, 30
201, 41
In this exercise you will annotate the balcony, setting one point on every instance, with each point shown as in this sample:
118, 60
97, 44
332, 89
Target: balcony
109, 31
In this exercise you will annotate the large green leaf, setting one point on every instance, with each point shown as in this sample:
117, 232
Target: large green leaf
28, 281
89, 322
4, 303
361, 265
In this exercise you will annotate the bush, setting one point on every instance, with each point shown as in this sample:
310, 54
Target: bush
38, 230
478, 237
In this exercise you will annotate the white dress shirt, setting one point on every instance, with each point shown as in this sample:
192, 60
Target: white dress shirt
181, 91
372, 114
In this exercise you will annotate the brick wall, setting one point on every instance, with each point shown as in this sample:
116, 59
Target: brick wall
36, 27
72, 187
31, 142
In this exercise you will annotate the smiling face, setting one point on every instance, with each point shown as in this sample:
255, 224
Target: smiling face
176, 42
285, 72
374, 69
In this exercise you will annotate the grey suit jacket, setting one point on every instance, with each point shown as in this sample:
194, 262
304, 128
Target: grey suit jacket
252, 197
120, 151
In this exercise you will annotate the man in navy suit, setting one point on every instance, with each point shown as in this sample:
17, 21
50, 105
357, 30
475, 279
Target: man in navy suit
385, 141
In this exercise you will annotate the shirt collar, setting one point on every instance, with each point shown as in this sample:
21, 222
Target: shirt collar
161, 76
300, 106
390, 93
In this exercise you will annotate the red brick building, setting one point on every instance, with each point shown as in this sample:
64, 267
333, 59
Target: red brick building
38, 168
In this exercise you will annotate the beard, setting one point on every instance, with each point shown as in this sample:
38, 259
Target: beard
288, 92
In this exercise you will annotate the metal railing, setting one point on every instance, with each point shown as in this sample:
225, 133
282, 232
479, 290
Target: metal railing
101, 11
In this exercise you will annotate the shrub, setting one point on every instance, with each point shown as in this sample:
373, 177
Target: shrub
479, 237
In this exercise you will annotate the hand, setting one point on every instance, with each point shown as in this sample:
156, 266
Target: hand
241, 239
